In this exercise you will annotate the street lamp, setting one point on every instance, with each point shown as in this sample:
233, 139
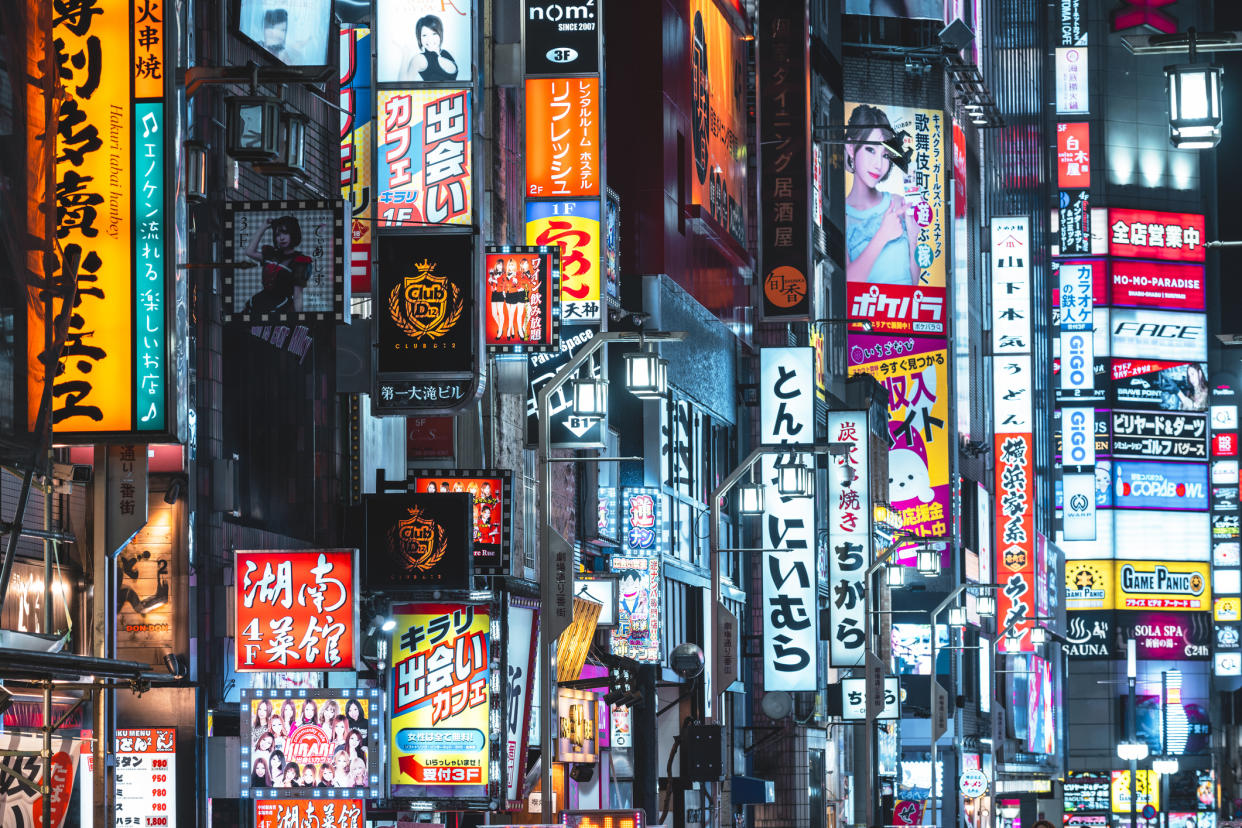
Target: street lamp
957, 617
928, 560
1164, 765
1039, 635
895, 574
793, 478
646, 374
556, 592
750, 496
1132, 751
590, 397
985, 604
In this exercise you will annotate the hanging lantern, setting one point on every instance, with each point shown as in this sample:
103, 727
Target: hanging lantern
254, 128
590, 397
1194, 105
646, 375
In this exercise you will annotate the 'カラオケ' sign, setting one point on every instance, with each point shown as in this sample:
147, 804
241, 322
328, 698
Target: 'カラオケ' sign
296, 610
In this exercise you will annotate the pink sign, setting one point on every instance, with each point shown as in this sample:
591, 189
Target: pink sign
1158, 285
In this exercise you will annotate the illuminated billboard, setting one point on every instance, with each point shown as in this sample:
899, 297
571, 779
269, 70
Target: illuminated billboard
637, 634
1072, 93
424, 157
308, 743
523, 295
492, 490
574, 227
717, 72
1148, 234
1156, 435
1161, 285
563, 127
1163, 585
849, 534
1074, 155
419, 539
309, 813
424, 41
441, 698
296, 609
1089, 585
1160, 384
911, 250
1168, 335
561, 38
1160, 485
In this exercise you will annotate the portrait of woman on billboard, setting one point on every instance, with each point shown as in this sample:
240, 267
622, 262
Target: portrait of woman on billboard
286, 269
880, 235
424, 41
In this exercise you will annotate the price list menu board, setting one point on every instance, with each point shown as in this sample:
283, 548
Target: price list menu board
146, 777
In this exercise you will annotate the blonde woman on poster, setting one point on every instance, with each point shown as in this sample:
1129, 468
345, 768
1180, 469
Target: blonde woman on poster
879, 241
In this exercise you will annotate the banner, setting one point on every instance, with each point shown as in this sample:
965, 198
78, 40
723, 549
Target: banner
573, 226
522, 291
296, 610
424, 41
309, 743
419, 540
521, 646
358, 150
1148, 234
895, 226
717, 72
424, 158
849, 536
637, 634
22, 807
441, 699
492, 491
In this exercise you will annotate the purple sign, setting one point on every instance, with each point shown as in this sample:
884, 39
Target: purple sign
1172, 636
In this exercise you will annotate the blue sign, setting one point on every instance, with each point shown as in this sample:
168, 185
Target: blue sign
1160, 485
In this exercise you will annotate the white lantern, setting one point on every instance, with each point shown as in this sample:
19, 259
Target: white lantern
896, 575
985, 604
793, 479
957, 616
928, 561
1132, 751
646, 375
1194, 105
590, 396
750, 498
1165, 765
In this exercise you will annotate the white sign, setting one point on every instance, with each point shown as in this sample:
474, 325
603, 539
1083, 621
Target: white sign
1101, 548
1078, 437
849, 537
1139, 534
786, 404
1224, 417
520, 642
1012, 387
1011, 285
1079, 514
854, 699
973, 783
1072, 94
146, 777
1077, 361
790, 614
1152, 334
1076, 296
1224, 472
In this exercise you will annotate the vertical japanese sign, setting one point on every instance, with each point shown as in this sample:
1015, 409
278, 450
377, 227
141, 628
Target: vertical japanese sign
24, 807
146, 776
1012, 384
784, 159
313, 813
790, 616
296, 610
521, 640
127, 475
1074, 223
562, 137
111, 203
895, 223
441, 729
849, 537
1072, 90
718, 120
574, 227
1074, 155
424, 157
637, 634
642, 522
357, 155
915, 372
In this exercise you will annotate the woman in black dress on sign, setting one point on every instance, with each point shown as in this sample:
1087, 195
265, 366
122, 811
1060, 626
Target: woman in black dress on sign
286, 270
430, 62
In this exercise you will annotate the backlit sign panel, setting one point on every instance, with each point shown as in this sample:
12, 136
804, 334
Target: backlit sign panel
566, 429
1148, 234
573, 226
1168, 636
1086, 791
296, 610
1011, 285
522, 290
419, 540
1168, 335
357, 149
521, 645
784, 379
1078, 437
563, 137
1153, 434
717, 74
1072, 91
644, 527
309, 813
297, 35
849, 535
1075, 296
603, 819
637, 634
492, 490
1079, 499
561, 38
1074, 155
1149, 535
424, 157
1163, 585
146, 777
1077, 364
1160, 485
1094, 269
1163, 285
1146, 784
854, 700
441, 699
308, 743
1089, 585
896, 308
1160, 384
424, 41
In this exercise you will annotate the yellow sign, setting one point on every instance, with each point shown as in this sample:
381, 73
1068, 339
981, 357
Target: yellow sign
1089, 585
1147, 788
1227, 609
440, 698
1164, 585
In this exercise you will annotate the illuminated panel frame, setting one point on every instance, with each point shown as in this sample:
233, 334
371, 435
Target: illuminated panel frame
604, 819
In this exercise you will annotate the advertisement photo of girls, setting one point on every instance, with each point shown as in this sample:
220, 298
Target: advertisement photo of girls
309, 743
521, 293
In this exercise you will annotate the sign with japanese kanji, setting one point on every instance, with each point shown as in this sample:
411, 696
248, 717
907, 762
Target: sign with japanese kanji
1073, 94
1147, 435
441, 700
309, 813
573, 226
637, 634
146, 776
563, 137
849, 537
24, 807
1149, 234
644, 527
110, 139
1015, 541
717, 74
423, 157
357, 150
420, 540
307, 743
1011, 285
296, 610
854, 699
521, 645
522, 288
1074, 155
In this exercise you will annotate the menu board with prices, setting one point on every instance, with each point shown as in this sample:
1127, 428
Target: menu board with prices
146, 777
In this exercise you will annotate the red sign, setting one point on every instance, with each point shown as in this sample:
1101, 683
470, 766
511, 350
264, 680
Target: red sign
1158, 285
1126, 368
312, 813
1099, 279
1015, 537
1225, 445
493, 506
522, 289
895, 308
296, 610
959, 172
1148, 234
1073, 155
1149, 13
429, 437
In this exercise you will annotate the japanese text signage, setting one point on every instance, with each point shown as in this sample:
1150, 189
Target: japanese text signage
424, 157
574, 227
521, 640
643, 530
1011, 286
1074, 155
854, 701
309, 813
1089, 585
637, 634
895, 223
357, 149
310, 743
561, 38
111, 200
784, 149
562, 137
1072, 90
1162, 285
849, 536
523, 293
146, 776
1147, 234
492, 491
419, 540
1152, 434
441, 699
717, 73
566, 429
1074, 222
1073, 23
1165, 585
296, 610
786, 408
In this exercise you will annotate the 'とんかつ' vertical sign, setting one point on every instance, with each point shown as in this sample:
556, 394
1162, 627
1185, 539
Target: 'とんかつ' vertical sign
109, 142
441, 730
296, 610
